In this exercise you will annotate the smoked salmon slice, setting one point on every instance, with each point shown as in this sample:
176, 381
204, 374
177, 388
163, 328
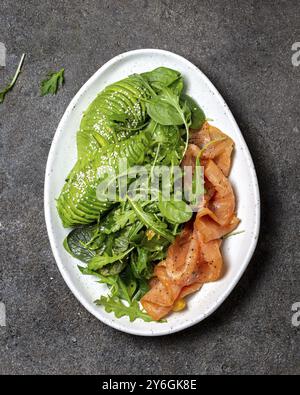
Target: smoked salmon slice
220, 151
195, 257
223, 202
209, 227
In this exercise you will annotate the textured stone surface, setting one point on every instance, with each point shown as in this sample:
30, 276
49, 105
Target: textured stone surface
245, 49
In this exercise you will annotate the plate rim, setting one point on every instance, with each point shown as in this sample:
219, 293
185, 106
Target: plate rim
47, 211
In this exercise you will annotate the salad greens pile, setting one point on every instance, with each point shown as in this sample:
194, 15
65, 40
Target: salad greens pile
144, 119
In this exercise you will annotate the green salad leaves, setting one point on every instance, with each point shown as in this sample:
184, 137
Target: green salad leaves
144, 120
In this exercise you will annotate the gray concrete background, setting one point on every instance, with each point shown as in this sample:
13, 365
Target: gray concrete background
245, 49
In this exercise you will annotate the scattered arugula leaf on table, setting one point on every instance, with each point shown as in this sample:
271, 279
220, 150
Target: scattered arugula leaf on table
52, 83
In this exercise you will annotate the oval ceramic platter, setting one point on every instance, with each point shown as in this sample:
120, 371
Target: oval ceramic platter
237, 250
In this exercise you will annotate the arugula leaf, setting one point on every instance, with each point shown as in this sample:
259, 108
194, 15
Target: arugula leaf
13, 81
121, 241
233, 234
151, 221
155, 244
108, 250
143, 288
175, 211
113, 304
128, 284
51, 84
109, 280
112, 269
140, 264
98, 261
117, 219
117, 287
209, 144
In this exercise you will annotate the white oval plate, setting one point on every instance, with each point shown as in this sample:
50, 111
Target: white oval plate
237, 250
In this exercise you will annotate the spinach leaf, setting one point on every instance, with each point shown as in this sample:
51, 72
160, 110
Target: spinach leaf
113, 304
165, 109
187, 112
151, 221
161, 77
76, 242
177, 86
167, 95
163, 112
175, 211
166, 135
197, 114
